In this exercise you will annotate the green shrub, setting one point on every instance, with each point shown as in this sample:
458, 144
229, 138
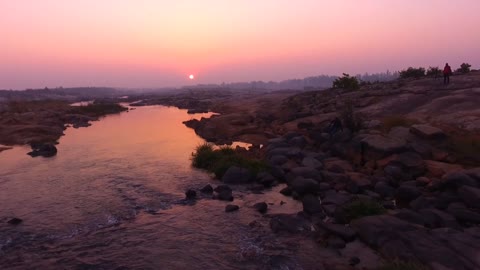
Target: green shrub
346, 82
402, 265
433, 71
392, 121
362, 208
412, 72
219, 160
98, 109
464, 68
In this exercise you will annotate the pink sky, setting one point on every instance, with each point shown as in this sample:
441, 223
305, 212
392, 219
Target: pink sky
155, 43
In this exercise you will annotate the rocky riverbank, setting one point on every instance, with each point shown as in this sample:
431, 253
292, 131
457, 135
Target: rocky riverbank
401, 180
43, 122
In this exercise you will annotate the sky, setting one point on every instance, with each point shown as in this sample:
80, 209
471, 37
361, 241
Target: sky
159, 43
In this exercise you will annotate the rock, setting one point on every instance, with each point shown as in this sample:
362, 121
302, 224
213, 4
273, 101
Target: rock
410, 216
423, 181
207, 189
304, 186
287, 191
231, 207
405, 194
384, 189
379, 146
423, 202
462, 214
474, 173
298, 141
306, 172
410, 162
277, 160
312, 163
336, 198
15, 221
336, 243
44, 150
335, 178
458, 179
436, 219
221, 188
470, 196
438, 249
358, 182
311, 204
261, 207
190, 194
438, 169
337, 165
428, 132
342, 231
266, 179
288, 223
353, 261
237, 175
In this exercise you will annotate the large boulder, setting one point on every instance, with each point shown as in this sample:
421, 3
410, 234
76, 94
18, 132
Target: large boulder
288, 223
44, 150
304, 186
237, 175
427, 132
311, 204
378, 146
342, 231
306, 172
458, 179
438, 169
405, 194
410, 162
470, 196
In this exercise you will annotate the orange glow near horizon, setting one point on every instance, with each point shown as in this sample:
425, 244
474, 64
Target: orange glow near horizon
155, 43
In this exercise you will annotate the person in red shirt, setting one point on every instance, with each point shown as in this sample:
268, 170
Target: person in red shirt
447, 71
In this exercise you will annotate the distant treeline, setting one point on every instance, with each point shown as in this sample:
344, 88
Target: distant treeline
308, 83
75, 93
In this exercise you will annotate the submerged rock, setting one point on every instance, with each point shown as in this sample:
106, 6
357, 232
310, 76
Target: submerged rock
15, 221
190, 194
261, 207
207, 189
231, 207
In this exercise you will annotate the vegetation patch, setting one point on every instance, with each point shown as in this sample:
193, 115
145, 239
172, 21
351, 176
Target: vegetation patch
351, 119
362, 208
392, 121
412, 72
346, 82
98, 109
217, 161
402, 265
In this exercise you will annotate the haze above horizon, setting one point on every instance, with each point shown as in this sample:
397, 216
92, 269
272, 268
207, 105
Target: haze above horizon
150, 43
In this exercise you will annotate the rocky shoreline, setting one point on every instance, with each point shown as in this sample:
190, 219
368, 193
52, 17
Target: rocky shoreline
406, 191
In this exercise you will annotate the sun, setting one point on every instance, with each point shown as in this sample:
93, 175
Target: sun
191, 77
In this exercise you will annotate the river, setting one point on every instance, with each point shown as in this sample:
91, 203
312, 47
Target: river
113, 198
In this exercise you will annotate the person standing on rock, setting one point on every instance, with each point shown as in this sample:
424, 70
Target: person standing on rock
447, 71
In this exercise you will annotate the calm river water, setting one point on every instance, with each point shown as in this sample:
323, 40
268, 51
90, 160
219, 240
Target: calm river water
112, 198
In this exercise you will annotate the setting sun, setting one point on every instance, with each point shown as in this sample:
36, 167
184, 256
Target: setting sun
191, 77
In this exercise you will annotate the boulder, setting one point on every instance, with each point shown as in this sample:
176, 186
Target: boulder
261, 207
298, 141
44, 150
336, 198
231, 207
237, 175
462, 214
221, 188
311, 204
288, 223
427, 132
15, 221
342, 231
435, 218
409, 216
266, 179
458, 179
277, 160
336, 243
312, 163
337, 165
304, 186
306, 172
384, 189
287, 191
207, 189
438, 169
379, 146
190, 194
410, 162
405, 194
470, 196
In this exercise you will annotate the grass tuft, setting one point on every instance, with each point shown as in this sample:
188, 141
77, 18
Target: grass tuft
219, 160
362, 208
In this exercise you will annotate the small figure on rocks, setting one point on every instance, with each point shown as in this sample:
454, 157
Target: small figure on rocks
447, 71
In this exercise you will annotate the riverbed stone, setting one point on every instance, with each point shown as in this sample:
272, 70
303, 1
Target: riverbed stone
288, 223
470, 196
231, 208
190, 194
208, 189
15, 221
237, 175
311, 204
44, 150
304, 186
427, 132
261, 207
